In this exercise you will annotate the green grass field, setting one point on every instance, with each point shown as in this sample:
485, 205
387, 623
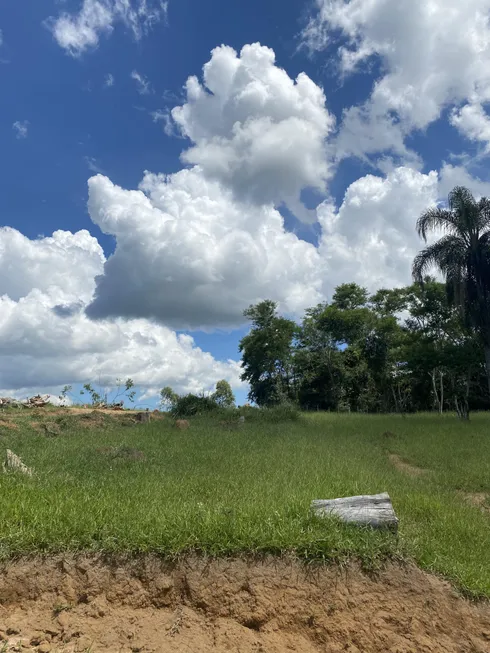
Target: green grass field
115, 487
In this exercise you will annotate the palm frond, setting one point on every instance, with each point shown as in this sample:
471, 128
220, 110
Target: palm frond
436, 218
483, 214
460, 198
447, 255
465, 209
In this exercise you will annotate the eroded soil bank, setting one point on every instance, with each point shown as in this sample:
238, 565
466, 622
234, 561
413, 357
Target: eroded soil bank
195, 606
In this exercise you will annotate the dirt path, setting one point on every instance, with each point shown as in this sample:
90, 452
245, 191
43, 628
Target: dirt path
274, 606
406, 468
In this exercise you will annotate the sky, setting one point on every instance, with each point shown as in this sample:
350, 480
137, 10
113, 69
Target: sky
163, 165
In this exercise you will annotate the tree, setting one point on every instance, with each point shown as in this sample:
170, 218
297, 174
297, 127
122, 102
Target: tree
101, 397
267, 355
318, 364
349, 296
168, 398
462, 255
223, 395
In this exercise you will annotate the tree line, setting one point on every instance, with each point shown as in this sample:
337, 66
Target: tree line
422, 347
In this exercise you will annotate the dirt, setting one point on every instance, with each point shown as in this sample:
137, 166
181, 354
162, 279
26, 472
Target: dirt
7, 424
478, 499
406, 468
242, 606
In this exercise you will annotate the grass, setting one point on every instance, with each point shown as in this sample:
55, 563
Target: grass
120, 488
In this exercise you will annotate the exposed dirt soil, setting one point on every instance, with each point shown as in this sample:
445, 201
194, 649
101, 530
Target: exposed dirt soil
478, 499
406, 468
193, 606
7, 424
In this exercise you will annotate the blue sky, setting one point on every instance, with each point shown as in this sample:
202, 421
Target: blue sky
385, 125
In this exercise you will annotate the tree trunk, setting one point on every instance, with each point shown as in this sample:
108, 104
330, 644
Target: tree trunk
436, 395
394, 397
442, 391
487, 364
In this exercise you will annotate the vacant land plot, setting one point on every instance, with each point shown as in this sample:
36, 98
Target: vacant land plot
104, 483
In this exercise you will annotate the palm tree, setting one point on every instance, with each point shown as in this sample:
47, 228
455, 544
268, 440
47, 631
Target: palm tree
462, 255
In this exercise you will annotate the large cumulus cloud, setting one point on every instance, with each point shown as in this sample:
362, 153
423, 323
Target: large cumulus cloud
433, 55
255, 129
191, 256
46, 340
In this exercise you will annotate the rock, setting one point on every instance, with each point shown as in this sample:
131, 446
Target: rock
44, 647
144, 418
64, 620
366, 510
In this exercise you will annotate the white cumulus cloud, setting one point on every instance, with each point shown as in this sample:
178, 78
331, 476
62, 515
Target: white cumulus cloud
451, 176
81, 31
255, 129
371, 237
194, 248
473, 122
433, 55
189, 255
47, 341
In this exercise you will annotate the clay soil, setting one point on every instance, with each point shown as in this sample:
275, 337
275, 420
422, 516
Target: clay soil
197, 606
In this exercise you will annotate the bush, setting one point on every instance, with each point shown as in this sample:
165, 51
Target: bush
191, 405
282, 413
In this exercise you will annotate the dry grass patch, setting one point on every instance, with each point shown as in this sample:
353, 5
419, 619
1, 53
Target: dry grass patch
406, 468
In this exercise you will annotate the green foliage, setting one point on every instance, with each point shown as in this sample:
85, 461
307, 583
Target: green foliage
250, 490
285, 412
267, 355
122, 391
349, 296
357, 355
168, 398
223, 395
191, 405
462, 255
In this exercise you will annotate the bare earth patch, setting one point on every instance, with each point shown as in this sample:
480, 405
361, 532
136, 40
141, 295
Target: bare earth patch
7, 424
197, 606
406, 468
478, 499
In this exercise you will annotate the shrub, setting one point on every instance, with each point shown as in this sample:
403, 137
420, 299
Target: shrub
191, 405
282, 413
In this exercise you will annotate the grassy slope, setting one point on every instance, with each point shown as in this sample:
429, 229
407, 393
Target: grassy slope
249, 490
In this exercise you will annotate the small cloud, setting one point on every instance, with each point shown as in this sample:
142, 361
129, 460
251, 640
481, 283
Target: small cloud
166, 118
79, 32
164, 6
109, 80
170, 97
144, 86
93, 165
21, 128
1, 38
